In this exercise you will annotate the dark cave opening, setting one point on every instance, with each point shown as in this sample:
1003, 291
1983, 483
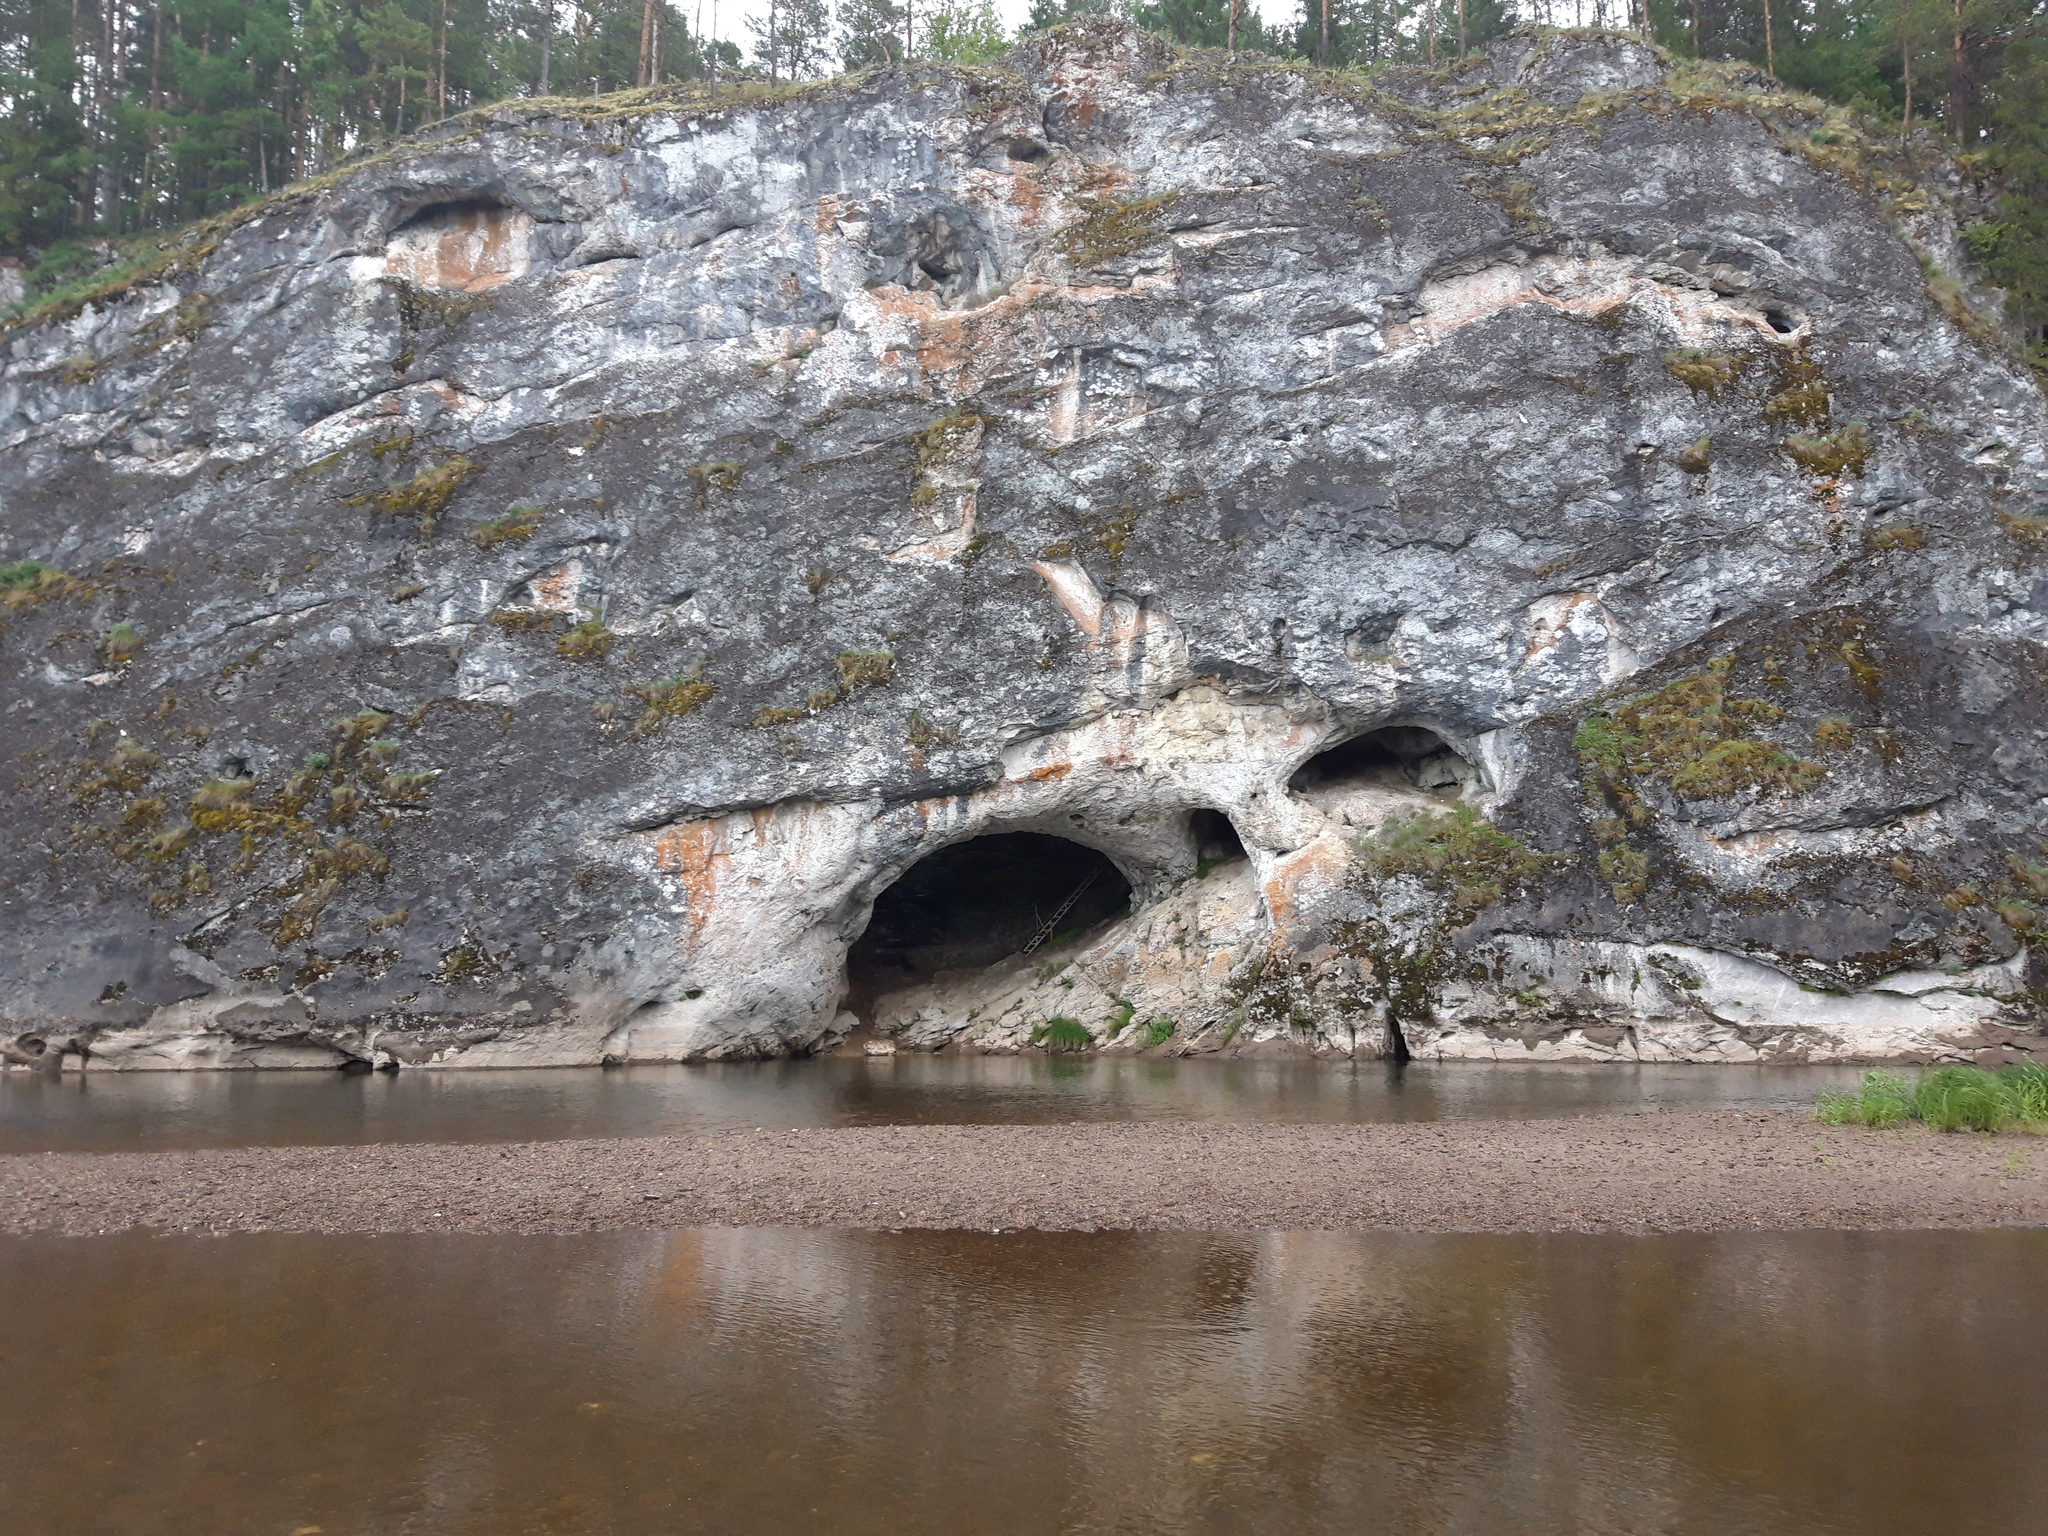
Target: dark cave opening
447, 215
1216, 840
1397, 756
1397, 1042
978, 902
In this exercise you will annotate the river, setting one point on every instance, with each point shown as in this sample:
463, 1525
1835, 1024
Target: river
152, 1111
776, 1380
852, 1382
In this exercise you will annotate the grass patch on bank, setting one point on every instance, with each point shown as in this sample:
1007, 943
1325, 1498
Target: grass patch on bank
2013, 1098
1062, 1034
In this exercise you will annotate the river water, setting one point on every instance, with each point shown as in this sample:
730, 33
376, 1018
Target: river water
780, 1380
135, 1111
850, 1382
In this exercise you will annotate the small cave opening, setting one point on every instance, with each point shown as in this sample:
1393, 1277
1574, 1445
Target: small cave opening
449, 213
1395, 755
469, 243
970, 905
1395, 769
1396, 1046
1779, 321
1216, 840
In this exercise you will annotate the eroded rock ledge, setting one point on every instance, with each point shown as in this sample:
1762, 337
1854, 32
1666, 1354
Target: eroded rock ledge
1510, 562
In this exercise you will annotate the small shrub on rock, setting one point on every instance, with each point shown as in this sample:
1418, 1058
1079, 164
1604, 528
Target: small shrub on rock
1154, 1031
588, 641
408, 786
669, 698
24, 583
121, 645
1467, 859
864, 669
1704, 373
1843, 452
515, 527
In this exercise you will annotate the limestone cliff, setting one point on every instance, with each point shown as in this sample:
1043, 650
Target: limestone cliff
523, 600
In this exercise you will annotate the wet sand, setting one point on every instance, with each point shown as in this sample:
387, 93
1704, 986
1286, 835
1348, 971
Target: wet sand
1682, 1171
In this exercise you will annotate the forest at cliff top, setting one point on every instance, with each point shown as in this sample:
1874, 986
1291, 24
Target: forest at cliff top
126, 117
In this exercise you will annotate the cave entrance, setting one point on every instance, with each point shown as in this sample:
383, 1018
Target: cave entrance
978, 902
1393, 769
1216, 840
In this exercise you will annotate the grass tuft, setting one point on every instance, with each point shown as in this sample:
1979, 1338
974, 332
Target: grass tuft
426, 494
864, 669
1882, 1101
588, 641
1843, 452
2014, 1098
1704, 373
1693, 735
121, 644
2030, 530
515, 527
1834, 733
1895, 536
29, 576
1600, 740
1062, 1034
2029, 1084
220, 805
25, 583
669, 698
1966, 1099
352, 732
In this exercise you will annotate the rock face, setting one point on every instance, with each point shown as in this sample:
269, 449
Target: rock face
523, 601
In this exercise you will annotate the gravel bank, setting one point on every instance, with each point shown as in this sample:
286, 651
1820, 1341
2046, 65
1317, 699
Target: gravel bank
1684, 1171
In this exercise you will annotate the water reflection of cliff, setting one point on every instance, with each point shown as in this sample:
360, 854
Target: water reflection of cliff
788, 1380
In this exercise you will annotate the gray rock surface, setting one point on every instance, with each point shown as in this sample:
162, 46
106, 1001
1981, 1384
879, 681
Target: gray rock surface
524, 599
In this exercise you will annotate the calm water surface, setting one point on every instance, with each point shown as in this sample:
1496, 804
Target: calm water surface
110, 1111
784, 1381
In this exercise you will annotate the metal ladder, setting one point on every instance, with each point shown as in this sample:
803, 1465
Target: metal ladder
1046, 928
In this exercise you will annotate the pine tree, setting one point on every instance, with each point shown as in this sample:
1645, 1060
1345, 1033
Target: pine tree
1201, 23
870, 32
2014, 246
1050, 13
964, 31
793, 39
